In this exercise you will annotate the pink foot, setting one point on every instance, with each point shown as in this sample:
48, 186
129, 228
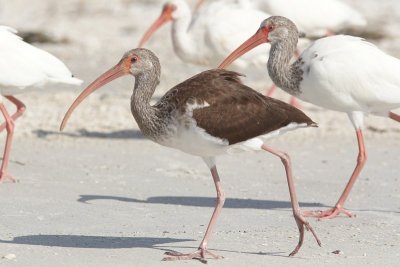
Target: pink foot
6, 175
327, 214
199, 255
303, 224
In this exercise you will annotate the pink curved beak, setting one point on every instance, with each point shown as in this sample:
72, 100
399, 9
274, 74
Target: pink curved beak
115, 72
166, 15
260, 37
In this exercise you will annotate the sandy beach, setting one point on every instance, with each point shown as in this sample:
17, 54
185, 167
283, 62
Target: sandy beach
99, 194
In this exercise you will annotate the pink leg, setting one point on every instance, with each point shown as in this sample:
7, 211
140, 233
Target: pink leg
293, 101
394, 116
329, 33
333, 212
20, 110
202, 251
6, 156
271, 90
300, 220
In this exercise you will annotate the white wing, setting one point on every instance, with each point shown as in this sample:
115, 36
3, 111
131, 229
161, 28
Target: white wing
348, 73
23, 65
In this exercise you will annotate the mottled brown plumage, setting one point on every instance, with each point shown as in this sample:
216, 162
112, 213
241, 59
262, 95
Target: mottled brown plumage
235, 112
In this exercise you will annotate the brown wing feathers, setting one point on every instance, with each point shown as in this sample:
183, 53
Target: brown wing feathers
238, 112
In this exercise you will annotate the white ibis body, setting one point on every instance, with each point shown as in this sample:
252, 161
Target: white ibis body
207, 115
342, 73
24, 67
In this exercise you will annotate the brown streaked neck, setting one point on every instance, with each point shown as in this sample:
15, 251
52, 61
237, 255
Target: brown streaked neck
285, 75
147, 117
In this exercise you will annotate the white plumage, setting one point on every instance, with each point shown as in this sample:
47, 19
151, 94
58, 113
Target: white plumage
24, 67
214, 31
342, 73
347, 73
314, 17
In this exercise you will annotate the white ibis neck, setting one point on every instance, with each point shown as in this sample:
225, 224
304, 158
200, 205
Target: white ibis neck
285, 75
182, 39
147, 117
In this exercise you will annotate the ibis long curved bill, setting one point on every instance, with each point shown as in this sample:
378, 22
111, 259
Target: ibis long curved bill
260, 37
166, 15
115, 72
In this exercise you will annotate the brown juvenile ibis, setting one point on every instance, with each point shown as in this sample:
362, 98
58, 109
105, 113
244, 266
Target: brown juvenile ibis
210, 114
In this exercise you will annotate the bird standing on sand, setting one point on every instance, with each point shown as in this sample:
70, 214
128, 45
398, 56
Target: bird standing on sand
210, 114
24, 67
342, 73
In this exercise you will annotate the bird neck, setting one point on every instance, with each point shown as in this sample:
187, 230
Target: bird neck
182, 41
285, 75
146, 116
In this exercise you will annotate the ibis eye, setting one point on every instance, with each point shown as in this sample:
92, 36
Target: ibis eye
271, 27
133, 59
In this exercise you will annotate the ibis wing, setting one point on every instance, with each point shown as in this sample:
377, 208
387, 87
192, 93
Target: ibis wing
227, 109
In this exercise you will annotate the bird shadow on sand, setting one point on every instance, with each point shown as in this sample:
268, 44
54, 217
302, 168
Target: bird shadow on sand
115, 242
121, 134
83, 241
180, 249
233, 203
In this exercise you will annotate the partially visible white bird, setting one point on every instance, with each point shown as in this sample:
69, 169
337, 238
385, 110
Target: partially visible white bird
24, 67
340, 72
216, 29
313, 17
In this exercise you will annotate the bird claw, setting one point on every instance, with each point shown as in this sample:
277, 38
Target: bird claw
328, 214
301, 224
6, 175
199, 255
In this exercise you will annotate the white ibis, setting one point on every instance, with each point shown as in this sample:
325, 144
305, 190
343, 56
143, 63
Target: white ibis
207, 115
313, 17
24, 67
342, 73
